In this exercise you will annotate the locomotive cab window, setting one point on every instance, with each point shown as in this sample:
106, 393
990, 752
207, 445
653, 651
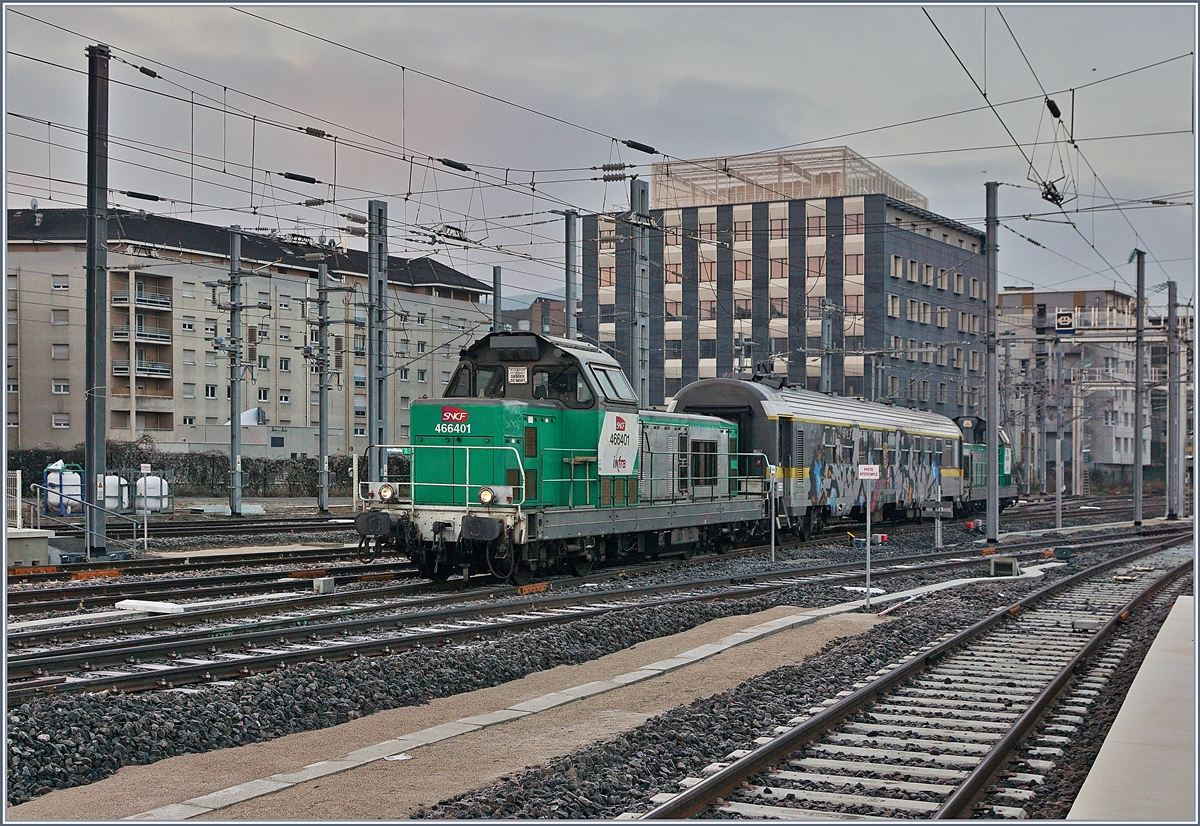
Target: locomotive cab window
614, 384
562, 383
704, 463
460, 385
489, 381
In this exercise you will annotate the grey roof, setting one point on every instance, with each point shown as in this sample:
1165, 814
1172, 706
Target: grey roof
68, 225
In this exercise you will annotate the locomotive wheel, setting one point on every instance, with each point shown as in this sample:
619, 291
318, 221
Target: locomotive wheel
522, 574
368, 551
581, 565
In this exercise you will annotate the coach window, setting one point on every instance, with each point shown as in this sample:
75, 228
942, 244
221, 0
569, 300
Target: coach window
460, 385
565, 384
704, 463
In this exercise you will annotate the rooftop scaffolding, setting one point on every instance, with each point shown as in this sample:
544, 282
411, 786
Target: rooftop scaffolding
775, 176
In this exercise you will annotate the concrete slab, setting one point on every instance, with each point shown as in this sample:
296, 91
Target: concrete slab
707, 650
589, 689
554, 698
314, 770
1146, 769
443, 732
148, 606
485, 720
377, 751
176, 811
663, 666
235, 794
634, 676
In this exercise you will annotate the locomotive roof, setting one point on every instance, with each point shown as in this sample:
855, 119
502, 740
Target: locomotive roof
807, 405
580, 350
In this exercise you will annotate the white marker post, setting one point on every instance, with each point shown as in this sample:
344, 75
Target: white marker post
145, 469
771, 474
868, 474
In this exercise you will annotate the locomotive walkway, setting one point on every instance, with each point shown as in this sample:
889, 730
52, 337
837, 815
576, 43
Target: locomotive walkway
1146, 769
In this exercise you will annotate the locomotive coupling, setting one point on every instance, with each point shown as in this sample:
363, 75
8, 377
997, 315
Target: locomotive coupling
376, 523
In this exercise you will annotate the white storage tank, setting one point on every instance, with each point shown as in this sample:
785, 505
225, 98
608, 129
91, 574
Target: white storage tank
116, 493
60, 479
152, 494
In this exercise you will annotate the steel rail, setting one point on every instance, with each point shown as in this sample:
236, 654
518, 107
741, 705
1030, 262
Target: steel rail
973, 787
699, 797
35, 665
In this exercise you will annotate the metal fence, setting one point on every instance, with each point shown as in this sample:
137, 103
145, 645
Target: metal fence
12, 500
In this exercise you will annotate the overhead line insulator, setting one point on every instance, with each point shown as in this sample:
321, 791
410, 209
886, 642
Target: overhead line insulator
613, 176
461, 167
316, 133
296, 176
147, 72
314, 202
613, 167
641, 147
354, 217
142, 196
1055, 112
357, 231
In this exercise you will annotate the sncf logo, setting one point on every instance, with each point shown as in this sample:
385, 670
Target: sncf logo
620, 424
454, 414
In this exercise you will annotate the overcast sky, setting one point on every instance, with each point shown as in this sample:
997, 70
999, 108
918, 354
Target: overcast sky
692, 81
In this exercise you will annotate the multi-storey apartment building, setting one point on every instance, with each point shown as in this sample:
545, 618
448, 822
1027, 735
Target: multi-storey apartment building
162, 322
814, 261
1094, 388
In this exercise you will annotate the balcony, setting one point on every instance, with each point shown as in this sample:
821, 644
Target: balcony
148, 369
156, 335
148, 299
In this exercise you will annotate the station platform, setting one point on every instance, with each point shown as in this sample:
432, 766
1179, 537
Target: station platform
1146, 769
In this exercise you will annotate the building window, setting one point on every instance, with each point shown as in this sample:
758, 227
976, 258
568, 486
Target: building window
958, 283
672, 310
188, 290
672, 385
913, 306
673, 236
893, 306
59, 387
672, 274
897, 266
925, 312
708, 232
61, 421
924, 394
188, 326
708, 348
210, 358
854, 223
403, 374
896, 348
189, 420
941, 279
60, 318
285, 396
912, 349
59, 352
445, 377
285, 302
816, 226
674, 349
608, 313
741, 231
285, 333
264, 362
360, 406
943, 317
708, 310
741, 271
912, 271
421, 375
927, 349
941, 355
264, 394
743, 308
974, 288
189, 390
893, 386
359, 430
210, 391
854, 304
779, 228
963, 324
421, 319
941, 392
779, 308
974, 360
816, 266
285, 365
779, 268
708, 270
927, 275
854, 264
60, 283
11, 387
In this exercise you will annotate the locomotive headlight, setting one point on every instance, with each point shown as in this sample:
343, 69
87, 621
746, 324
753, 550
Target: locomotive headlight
386, 492
487, 496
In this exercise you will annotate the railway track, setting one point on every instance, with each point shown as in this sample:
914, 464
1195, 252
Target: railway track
365, 627
949, 725
164, 528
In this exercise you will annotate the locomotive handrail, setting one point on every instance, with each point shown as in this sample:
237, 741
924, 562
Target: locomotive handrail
573, 457
412, 451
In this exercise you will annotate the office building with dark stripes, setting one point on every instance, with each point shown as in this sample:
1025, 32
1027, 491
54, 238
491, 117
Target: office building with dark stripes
815, 264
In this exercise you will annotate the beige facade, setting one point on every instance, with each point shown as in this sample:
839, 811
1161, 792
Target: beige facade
179, 391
